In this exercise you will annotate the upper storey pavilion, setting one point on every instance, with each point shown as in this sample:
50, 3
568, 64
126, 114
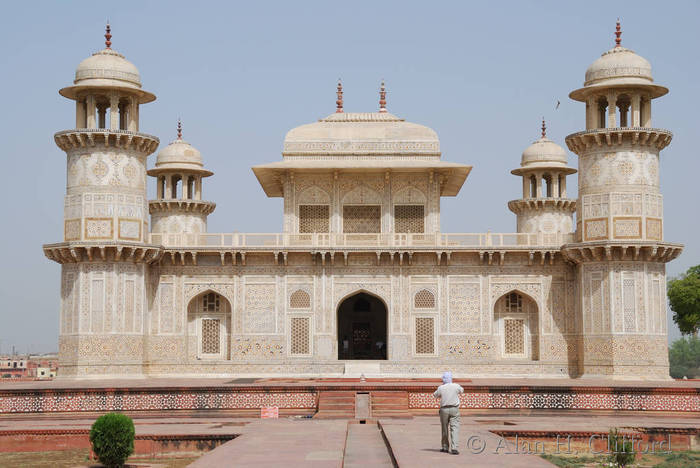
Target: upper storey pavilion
370, 173
372, 180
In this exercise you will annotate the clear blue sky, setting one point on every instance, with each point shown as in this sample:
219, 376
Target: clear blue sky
242, 74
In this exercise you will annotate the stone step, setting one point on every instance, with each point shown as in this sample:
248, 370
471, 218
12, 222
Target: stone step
391, 404
336, 405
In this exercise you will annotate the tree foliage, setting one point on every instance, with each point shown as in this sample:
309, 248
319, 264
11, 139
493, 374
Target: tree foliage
684, 296
684, 358
112, 439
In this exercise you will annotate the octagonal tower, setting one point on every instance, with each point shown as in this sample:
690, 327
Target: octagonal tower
544, 207
620, 251
106, 247
178, 207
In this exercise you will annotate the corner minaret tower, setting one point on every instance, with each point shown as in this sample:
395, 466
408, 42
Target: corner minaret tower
620, 251
544, 207
178, 207
106, 246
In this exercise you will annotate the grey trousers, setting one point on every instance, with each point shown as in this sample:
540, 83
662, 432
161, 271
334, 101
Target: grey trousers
449, 420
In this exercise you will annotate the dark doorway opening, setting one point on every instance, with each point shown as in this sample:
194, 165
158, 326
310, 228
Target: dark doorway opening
362, 328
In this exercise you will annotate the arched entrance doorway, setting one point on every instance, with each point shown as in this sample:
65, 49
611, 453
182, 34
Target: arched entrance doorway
362, 328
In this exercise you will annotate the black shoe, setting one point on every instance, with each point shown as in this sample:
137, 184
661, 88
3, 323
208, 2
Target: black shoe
444, 450
454, 452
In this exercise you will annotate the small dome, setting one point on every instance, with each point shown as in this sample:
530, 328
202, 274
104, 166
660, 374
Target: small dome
619, 66
107, 70
543, 154
179, 156
108, 65
544, 151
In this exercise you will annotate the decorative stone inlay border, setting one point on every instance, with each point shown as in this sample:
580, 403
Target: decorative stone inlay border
305, 396
149, 400
554, 399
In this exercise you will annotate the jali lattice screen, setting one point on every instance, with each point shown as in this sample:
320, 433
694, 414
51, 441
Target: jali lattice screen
313, 218
409, 218
514, 330
299, 299
425, 339
424, 299
300, 335
211, 336
362, 219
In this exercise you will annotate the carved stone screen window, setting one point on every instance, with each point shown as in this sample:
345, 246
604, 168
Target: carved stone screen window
300, 299
424, 299
409, 219
211, 336
514, 336
211, 302
300, 335
362, 219
514, 303
313, 218
425, 337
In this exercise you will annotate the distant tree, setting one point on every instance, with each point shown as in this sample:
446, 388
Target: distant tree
684, 358
684, 296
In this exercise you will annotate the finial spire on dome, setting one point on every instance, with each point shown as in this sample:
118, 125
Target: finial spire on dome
339, 102
108, 36
179, 129
544, 129
618, 34
382, 98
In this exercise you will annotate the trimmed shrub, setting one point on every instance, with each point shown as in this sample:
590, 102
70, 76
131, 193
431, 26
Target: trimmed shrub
621, 449
112, 439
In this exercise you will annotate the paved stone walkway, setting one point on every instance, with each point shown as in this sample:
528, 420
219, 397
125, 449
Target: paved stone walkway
416, 443
366, 447
282, 442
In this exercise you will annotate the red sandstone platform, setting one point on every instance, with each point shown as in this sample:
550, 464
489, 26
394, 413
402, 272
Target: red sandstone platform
382, 443
245, 397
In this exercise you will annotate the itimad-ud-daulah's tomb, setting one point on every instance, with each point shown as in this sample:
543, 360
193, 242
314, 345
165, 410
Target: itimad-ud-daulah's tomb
362, 280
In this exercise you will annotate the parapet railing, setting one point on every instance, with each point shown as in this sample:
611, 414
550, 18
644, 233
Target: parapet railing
336, 240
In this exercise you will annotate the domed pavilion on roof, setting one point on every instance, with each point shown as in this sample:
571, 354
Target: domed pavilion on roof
362, 280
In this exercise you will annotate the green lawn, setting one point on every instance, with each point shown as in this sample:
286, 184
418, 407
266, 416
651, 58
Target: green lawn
656, 460
78, 457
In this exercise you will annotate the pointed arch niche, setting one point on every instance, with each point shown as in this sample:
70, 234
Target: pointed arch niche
516, 321
209, 322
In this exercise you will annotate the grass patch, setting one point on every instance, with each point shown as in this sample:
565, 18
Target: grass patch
655, 460
79, 457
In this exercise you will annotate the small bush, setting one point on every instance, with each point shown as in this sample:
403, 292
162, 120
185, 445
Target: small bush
112, 439
621, 449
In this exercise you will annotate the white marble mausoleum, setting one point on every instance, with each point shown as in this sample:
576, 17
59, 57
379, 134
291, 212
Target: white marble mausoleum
362, 280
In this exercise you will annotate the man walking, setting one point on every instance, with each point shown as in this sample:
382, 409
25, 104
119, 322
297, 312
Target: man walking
448, 393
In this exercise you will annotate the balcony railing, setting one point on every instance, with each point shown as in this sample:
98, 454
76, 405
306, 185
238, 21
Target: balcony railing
334, 240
